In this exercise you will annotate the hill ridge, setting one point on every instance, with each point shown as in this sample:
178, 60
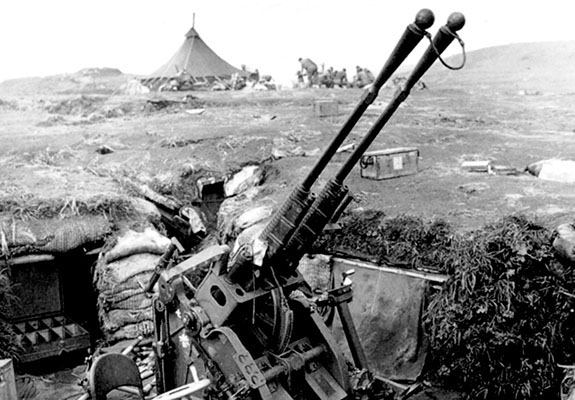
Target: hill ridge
544, 67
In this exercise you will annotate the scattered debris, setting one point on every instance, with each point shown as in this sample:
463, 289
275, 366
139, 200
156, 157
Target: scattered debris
188, 103
52, 121
195, 111
83, 105
473, 188
313, 152
490, 168
476, 166
104, 149
506, 170
346, 148
262, 86
265, 117
160, 104
529, 93
8, 105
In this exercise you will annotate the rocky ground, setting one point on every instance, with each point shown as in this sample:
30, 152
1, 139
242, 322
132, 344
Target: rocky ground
69, 145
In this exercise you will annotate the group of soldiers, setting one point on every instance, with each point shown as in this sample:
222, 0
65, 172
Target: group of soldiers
332, 78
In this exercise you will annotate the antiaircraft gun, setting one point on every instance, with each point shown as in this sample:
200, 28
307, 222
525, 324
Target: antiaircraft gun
251, 328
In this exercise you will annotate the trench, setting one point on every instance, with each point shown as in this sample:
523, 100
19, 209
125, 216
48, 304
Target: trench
55, 317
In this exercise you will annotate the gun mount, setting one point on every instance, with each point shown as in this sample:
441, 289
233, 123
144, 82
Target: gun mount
250, 329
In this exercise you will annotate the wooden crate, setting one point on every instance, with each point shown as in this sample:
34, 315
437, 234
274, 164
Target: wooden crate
326, 108
41, 325
389, 163
7, 380
50, 336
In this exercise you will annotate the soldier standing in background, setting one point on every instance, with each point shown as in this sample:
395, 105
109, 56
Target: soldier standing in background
311, 70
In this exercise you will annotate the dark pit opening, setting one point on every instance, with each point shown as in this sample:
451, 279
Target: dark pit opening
55, 318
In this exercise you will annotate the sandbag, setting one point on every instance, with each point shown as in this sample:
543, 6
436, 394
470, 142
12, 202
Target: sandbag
131, 242
132, 331
129, 300
252, 217
129, 291
116, 319
124, 310
112, 276
248, 177
230, 220
124, 304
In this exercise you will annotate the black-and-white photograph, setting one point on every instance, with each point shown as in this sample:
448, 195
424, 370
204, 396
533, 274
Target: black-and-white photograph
287, 200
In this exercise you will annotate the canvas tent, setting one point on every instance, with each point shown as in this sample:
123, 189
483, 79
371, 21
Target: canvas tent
196, 59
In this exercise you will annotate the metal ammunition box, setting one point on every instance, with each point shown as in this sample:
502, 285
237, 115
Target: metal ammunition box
326, 108
389, 163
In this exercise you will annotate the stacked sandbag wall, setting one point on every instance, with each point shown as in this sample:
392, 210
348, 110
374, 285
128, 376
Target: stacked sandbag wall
120, 274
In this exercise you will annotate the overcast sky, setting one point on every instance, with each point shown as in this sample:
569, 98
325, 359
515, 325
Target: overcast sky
46, 37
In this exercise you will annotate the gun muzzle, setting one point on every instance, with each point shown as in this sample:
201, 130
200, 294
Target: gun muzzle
410, 38
327, 202
282, 225
440, 42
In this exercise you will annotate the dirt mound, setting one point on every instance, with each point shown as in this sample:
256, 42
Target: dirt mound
99, 72
83, 105
9, 105
92, 81
172, 105
86, 110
